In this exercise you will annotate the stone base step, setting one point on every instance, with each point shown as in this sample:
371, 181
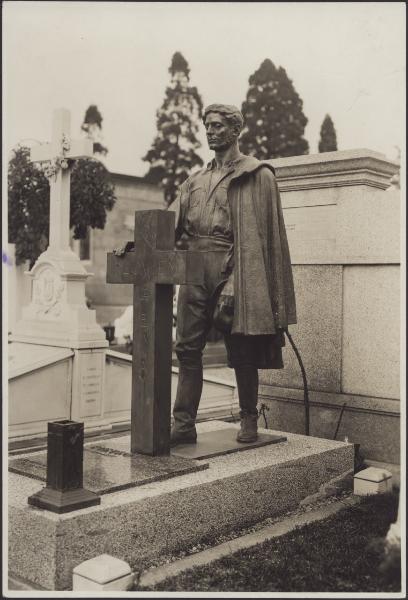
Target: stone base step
140, 524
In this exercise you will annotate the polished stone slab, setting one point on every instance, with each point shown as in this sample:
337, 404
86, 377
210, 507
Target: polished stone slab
109, 467
222, 441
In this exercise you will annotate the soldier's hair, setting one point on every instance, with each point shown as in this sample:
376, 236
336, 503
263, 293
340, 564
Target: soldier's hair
232, 114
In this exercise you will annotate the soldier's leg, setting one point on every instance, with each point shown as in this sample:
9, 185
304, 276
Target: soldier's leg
241, 356
192, 329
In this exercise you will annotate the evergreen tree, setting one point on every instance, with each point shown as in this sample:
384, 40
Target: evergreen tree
273, 115
92, 126
173, 152
92, 192
328, 139
92, 195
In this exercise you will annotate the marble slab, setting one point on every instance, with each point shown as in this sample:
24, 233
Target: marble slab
23, 358
222, 441
109, 467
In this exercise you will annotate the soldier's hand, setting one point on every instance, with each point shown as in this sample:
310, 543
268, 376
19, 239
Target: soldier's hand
128, 247
228, 289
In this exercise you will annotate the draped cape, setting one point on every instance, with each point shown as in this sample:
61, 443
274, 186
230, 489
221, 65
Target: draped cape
263, 280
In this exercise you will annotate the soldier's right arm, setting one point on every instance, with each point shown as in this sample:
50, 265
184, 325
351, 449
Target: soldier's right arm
128, 247
176, 207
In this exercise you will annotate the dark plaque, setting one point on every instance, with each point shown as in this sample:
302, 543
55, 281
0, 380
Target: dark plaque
64, 491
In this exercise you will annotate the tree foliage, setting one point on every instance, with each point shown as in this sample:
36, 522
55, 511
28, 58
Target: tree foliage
173, 152
328, 138
28, 206
92, 195
273, 115
92, 126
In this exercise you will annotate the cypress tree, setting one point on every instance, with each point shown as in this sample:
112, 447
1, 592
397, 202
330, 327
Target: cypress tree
273, 115
173, 152
92, 126
328, 139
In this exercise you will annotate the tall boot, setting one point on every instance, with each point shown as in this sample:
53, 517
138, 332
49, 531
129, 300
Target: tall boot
247, 384
189, 388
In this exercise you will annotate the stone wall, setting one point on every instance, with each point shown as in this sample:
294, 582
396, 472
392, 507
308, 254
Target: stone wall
132, 193
343, 224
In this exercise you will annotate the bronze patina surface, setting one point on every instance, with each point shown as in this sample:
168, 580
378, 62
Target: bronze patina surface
153, 267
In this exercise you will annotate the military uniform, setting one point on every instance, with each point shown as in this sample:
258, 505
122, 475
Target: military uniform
205, 225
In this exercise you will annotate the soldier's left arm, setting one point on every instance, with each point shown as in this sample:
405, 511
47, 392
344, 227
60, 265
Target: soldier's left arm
266, 202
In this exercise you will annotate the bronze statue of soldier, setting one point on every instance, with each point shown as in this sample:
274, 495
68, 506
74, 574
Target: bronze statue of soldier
230, 211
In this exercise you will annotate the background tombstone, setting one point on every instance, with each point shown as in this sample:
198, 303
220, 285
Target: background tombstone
57, 314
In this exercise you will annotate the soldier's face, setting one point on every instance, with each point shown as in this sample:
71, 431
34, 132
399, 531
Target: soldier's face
220, 134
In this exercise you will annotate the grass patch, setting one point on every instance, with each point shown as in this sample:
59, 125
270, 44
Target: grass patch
339, 554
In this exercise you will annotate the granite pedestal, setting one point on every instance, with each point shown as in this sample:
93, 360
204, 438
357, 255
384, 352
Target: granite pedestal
142, 523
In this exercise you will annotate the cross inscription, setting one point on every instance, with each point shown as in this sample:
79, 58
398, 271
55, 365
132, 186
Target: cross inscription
153, 267
57, 155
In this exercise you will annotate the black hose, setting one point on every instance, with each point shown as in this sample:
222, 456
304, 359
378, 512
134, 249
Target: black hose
305, 387
339, 421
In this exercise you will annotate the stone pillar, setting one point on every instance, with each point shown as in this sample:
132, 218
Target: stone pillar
57, 314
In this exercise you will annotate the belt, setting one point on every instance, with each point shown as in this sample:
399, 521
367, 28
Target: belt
205, 244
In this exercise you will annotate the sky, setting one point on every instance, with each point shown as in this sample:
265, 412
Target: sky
345, 59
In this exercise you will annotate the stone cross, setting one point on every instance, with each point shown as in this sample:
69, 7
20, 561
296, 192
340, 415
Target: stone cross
57, 154
153, 268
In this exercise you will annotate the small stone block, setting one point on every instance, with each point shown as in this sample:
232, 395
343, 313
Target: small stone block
103, 573
372, 481
63, 501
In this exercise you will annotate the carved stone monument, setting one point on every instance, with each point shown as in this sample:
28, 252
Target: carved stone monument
153, 268
57, 314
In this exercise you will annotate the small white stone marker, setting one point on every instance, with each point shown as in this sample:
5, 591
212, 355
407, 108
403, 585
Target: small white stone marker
103, 573
372, 481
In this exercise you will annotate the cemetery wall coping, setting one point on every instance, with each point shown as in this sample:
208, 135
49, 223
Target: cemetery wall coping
132, 179
121, 357
334, 169
24, 358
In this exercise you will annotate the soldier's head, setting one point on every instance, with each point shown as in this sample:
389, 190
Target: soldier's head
223, 124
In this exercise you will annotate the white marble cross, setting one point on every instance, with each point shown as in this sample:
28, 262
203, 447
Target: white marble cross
57, 154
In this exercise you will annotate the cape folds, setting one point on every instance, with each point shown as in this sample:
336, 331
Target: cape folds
263, 281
